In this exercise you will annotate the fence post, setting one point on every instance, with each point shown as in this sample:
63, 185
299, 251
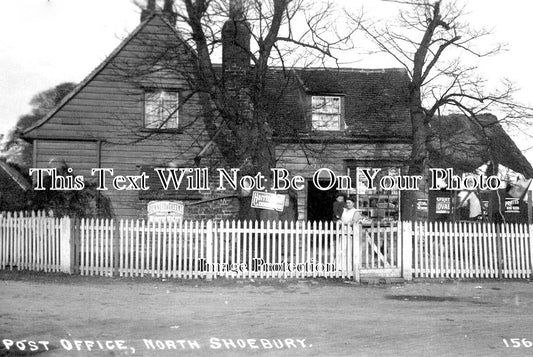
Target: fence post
356, 256
209, 250
407, 249
67, 246
75, 239
529, 207
117, 232
499, 250
530, 240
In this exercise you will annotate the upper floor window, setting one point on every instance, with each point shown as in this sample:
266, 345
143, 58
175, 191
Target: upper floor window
161, 110
326, 113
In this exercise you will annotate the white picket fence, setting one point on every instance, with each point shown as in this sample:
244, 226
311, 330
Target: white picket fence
234, 249
30, 242
231, 249
472, 250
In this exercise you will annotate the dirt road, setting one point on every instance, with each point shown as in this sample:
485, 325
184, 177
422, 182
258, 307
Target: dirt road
58, 315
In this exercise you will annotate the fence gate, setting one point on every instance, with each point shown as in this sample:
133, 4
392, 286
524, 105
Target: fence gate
212, 249
381, 250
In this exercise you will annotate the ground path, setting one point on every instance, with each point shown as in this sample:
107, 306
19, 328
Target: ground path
149, 317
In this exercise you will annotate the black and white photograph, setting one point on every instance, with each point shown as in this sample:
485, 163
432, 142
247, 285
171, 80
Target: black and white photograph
266, 178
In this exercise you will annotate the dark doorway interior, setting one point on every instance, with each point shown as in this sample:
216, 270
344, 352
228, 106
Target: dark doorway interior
319, 203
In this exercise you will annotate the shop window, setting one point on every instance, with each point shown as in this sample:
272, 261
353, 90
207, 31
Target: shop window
377, 204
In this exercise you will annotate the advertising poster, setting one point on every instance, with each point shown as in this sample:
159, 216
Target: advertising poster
422, 205
443, 205
512, 205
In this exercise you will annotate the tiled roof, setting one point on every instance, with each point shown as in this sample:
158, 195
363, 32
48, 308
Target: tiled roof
375, 101
466, 144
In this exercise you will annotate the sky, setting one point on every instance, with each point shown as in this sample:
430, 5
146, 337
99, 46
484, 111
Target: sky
47, 42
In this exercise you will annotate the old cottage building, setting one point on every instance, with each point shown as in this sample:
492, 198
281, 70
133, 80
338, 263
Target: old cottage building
135, 111
124, 117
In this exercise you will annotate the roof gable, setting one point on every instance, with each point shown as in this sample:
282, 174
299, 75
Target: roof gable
156, 19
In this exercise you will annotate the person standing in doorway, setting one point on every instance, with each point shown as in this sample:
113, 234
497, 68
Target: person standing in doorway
338, 207
343, 249
350, 214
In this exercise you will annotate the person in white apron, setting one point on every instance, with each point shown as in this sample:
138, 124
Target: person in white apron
350, 215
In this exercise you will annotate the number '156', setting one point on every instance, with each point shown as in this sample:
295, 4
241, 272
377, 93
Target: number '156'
517, 342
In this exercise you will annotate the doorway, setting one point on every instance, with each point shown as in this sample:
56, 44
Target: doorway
319, 203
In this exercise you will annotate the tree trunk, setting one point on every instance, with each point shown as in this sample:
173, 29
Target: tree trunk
418, 157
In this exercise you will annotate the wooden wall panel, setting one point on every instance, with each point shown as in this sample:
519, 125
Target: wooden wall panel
81, 156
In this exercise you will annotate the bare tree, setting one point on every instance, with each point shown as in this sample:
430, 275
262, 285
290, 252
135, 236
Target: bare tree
251, 37
433, 40
239, 122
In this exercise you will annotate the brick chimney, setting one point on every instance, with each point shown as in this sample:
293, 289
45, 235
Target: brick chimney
167, 11
236, 61
236, 37
149, 10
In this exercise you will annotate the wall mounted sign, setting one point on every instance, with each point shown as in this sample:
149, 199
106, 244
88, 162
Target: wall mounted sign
422, 204
443, 205
512, 205
165, 211
268, 201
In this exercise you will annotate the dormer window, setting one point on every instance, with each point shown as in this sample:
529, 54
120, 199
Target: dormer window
161, 109
326, 113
